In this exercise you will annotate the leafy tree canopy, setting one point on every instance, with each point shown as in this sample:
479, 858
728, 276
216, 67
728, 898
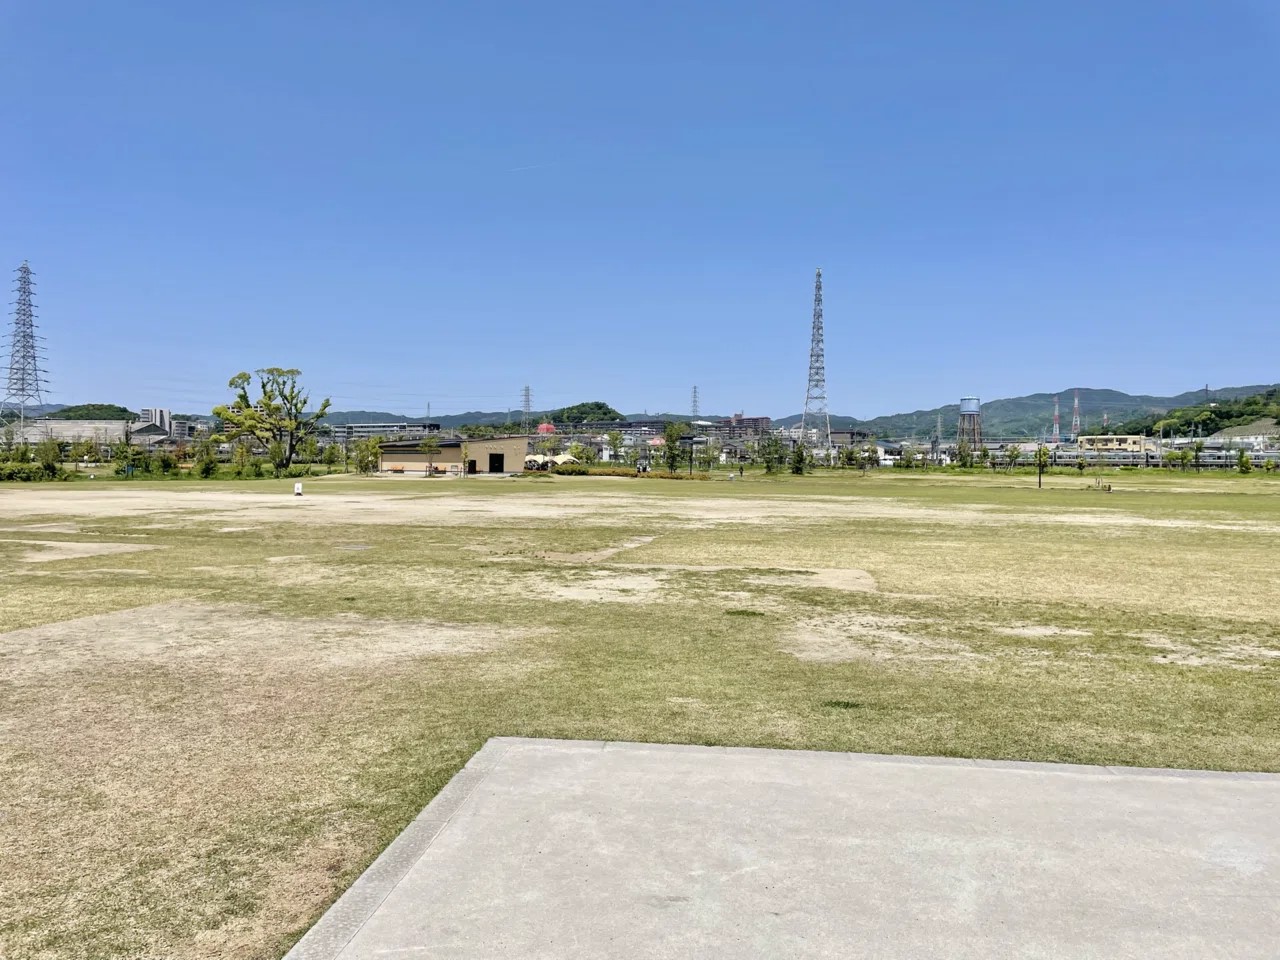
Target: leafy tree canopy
94, 411
1203, 419
276, 418
591, 411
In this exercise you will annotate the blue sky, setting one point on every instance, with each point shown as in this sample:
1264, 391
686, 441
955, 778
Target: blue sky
443, 202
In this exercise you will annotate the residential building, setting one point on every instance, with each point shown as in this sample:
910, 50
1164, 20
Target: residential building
345, 433
157, 415
739, 427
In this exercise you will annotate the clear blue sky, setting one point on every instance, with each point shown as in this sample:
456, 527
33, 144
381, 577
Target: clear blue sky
440, 202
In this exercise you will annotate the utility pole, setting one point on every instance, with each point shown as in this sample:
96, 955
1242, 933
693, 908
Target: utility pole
815, 415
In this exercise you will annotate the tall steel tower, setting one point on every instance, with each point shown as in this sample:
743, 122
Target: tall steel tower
526, 410
1057, 424
1075, 416
26, 376
693, 403
816, 416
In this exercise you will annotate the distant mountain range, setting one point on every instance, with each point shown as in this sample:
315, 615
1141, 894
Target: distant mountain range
1014, 416
1033, 415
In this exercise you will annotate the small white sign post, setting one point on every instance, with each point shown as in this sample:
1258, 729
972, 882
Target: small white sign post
297, 489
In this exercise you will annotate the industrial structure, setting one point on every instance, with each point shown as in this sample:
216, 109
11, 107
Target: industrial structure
26, 377
693, 403
816, 416
526, 409
1057, 424
1075, 416
970, 426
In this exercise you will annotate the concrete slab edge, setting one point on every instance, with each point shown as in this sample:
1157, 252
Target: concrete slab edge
1019, 766
335, 928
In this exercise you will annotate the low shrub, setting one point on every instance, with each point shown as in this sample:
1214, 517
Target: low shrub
25, 472
656, 475
570, 470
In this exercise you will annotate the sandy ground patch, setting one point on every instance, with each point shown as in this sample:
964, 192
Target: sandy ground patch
1237, 653
1041, 630
46, 551
595, 556
603, 586
602, 506
869, 636
229, 635
832, 578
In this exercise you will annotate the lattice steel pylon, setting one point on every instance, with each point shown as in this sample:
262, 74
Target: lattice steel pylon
693, 404
526, 410
816, 417
26, 376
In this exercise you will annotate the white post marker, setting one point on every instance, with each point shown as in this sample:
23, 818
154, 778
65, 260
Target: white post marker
297, 489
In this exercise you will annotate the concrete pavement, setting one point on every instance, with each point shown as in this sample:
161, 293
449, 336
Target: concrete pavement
574, 849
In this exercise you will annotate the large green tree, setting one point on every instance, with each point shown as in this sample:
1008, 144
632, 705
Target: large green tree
770, 452
671, 450
277, 419
366, 453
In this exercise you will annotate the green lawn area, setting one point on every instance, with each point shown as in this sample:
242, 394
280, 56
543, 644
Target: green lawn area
218, 702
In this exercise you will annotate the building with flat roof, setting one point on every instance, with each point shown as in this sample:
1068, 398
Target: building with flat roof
1115, 443
350, 432
490, 455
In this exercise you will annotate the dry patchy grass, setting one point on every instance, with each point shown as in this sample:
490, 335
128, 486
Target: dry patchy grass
205, 737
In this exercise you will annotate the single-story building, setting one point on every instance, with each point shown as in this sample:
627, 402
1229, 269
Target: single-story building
491, 455
1113, 443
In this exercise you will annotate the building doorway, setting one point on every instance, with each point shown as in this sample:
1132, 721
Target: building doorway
497, 463
471, 466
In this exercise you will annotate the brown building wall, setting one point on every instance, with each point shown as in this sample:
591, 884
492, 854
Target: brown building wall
512, 450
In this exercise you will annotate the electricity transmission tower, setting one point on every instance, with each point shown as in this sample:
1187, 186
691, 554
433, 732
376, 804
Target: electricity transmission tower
26, 376
526, 410
815, 415
693, 404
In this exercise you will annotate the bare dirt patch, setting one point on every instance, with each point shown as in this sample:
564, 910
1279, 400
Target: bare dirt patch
831, 578
1033, 630
870, 636
607, 587
227, 635
46, 551
1236, 653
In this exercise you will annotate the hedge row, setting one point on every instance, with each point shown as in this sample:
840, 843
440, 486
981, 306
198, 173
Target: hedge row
27, 472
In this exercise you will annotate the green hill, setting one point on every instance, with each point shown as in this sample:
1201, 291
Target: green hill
93, 411
1033, 415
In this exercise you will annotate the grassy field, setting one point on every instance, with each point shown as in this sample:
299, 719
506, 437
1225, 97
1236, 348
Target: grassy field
218, 702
